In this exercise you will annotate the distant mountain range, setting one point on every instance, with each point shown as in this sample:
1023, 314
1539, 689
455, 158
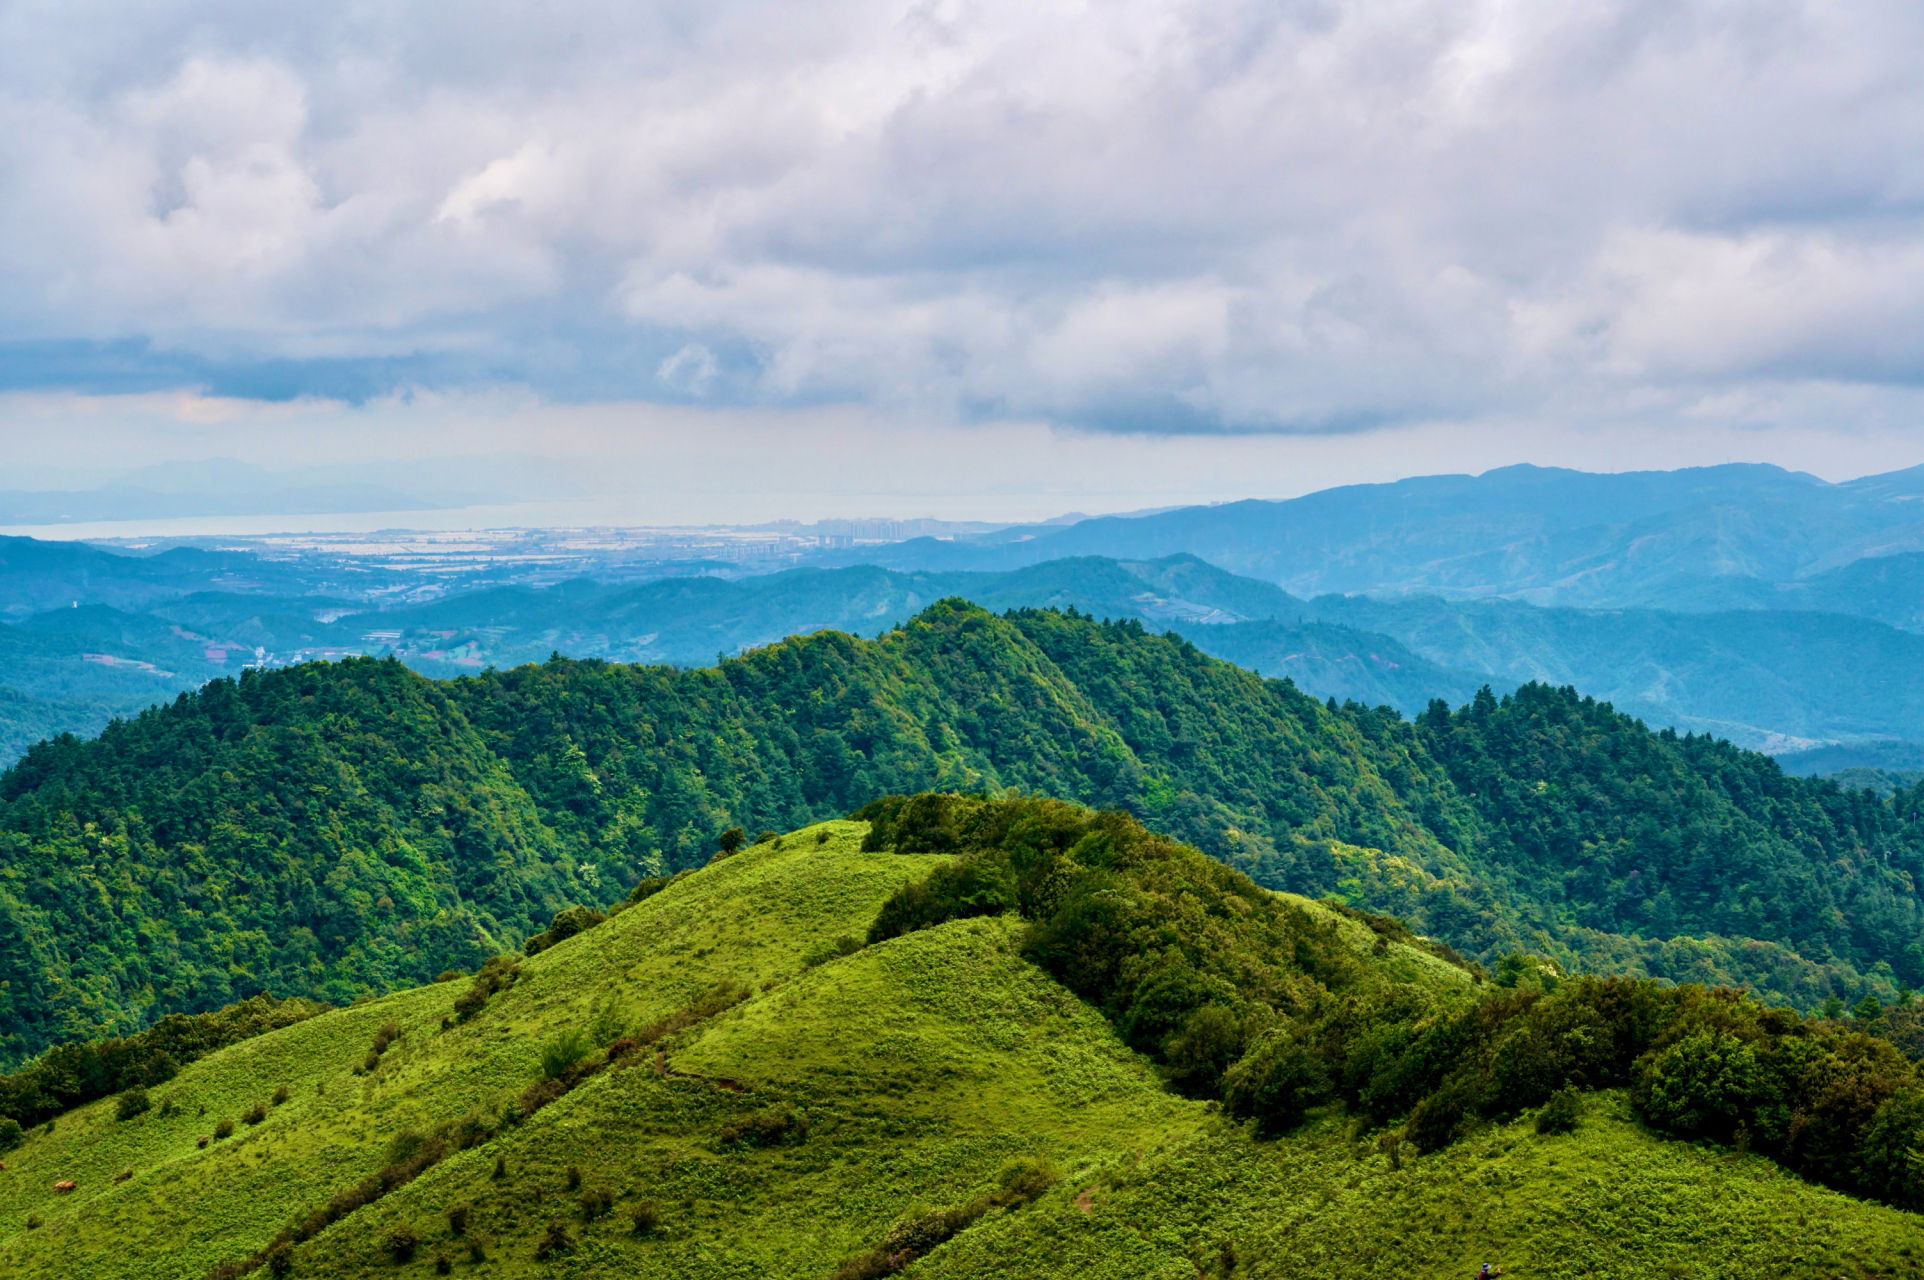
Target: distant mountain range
1720, 600
1695, 539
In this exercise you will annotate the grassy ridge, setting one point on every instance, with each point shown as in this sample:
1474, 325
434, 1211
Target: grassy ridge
914, 1070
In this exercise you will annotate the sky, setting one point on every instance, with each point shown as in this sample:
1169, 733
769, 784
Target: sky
957, 257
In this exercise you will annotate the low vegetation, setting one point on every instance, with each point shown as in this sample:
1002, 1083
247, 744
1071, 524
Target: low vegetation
939, 1103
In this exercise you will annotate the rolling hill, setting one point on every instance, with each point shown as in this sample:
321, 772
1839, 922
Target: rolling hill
709, 1084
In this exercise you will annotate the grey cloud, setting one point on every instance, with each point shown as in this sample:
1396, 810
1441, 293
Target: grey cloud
1198, 215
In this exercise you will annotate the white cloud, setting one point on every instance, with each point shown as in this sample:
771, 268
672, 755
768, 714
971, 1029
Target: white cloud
1260, 215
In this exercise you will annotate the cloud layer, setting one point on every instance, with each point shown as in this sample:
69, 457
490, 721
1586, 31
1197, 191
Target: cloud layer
1196, 215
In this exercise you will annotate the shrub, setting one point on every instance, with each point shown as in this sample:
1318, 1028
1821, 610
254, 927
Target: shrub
225, 1129
823, 952
500, 1168
1023, 1180
458, 1220
607, 1024
169, 1109
1560, 1114
574, 1177
1702, 1085
646, 1218
442, 1266
566, 924
370, 1062
475, 1252
720, 997
498, 974
765, 837
254, 1114
401, 1243
729, 841
281, 1095
821, 837
557, 1241
981, 886
280, 1259
11, 1134
132, 1103
35, 1222
563, 1051
767, 1128
595, 1202
405, 1145
450, 975
1277, 1083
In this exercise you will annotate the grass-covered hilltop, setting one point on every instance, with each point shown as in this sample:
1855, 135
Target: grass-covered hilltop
331, 831
968, 1037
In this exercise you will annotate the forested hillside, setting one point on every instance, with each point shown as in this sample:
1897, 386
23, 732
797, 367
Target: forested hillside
328, 830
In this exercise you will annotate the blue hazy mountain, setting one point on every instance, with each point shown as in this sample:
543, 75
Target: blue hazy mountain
1710, 537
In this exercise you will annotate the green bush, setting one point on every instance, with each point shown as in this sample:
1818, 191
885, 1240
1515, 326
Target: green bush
770, 1127
557, 1241
1277, 1083
132, 1102
980, 886
1561, 1113
402, 1242
254, 1114
562, 1051
566, 924
646, 1218
457, 1220
225, 1129
607, 1023
821, 953
1704, 1085
281, 1095
11, 1134
595, 1202
574, 1177
70, 1075
498, 973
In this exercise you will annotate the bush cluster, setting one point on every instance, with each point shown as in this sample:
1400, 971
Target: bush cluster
410, 1153
70, 1075
566, 924
132, 1102
916, 1233
770, 1127
497, 974
1248, 999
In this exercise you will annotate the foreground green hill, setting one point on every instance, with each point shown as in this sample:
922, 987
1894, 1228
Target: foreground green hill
830, 1099
336, 830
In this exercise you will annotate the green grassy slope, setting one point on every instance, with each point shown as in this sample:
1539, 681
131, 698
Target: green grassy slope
921, 1066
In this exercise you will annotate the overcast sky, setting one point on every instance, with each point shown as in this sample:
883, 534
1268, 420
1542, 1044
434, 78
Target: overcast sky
1248, 247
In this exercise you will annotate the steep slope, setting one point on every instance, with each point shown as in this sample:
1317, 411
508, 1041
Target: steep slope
937, 1091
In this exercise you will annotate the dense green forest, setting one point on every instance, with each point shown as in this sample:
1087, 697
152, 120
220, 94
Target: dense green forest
331, 830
